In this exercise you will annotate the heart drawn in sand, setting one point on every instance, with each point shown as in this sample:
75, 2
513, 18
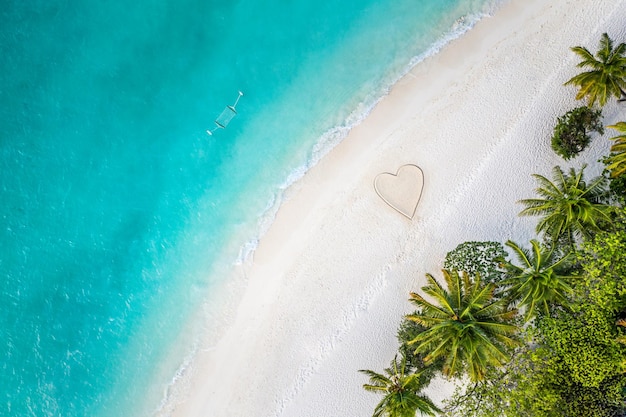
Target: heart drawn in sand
402, 190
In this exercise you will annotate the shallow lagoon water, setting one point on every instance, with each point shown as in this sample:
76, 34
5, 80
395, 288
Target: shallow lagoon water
118, 208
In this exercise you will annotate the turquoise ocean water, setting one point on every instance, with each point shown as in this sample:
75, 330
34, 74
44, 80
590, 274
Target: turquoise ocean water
119, 213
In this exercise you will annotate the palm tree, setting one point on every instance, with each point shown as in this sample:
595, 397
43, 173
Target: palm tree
607, 74
401, 391
617, 160
467, 326
540, 280
570, 207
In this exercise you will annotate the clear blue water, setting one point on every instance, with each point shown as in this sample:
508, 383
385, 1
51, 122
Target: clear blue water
117, 206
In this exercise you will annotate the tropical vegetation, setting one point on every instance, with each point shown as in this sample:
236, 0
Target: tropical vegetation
401, 392
572, 133
539, 279
606, 76
407, 331
575, 359
616, 162
477, 258
566, 355
467, 327
570, 208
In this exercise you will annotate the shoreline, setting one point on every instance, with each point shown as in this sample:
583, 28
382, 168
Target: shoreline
335, 135
328, 283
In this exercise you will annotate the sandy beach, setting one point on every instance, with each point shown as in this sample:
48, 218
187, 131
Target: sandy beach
329, 283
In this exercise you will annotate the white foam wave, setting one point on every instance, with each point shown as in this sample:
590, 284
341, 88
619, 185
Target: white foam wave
178, 385
333, 137
177, 389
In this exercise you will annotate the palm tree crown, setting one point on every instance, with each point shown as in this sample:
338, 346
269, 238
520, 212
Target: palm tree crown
617, 160
466, 325
401, 391
539, 279
570, 207
607, 74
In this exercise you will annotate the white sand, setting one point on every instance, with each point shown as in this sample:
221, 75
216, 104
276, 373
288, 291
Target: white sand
329, 282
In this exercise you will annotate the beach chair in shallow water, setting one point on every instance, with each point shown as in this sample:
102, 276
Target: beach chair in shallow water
225, 116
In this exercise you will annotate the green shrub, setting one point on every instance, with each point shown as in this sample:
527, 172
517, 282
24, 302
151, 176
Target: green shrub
537, 384
617, 185
572, 132
408, 331
477, 258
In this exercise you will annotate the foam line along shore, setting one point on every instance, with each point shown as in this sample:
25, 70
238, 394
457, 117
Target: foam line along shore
328, 283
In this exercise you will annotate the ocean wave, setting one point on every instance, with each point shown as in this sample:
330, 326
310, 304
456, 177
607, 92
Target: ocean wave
335, 135
177, 389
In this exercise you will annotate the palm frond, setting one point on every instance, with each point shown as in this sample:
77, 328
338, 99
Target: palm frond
429, 309
458, 338
606, 76
619, 126
401, 392
521, 254
570, 206
376, 379
587, 57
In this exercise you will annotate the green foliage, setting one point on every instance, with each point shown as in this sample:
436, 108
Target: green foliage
511, 392
574, 362
467, 327
572, 132
607, 72
536, 384
570, 208
586, 343
539, 279
617, 186
477, 258
616, 162
408, 331
604, 401
401, 391
604, 261
584, 355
